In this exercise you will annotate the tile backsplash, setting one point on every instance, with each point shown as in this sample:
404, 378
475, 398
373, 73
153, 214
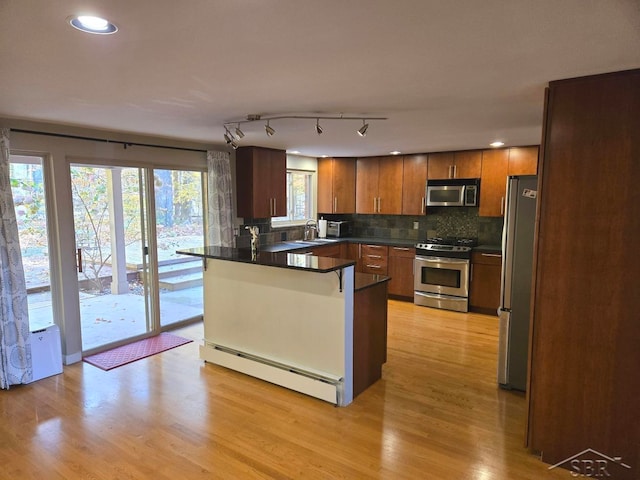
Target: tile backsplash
440, 221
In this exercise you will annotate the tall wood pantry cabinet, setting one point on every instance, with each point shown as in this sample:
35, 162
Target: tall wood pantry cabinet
584, 390
261, 182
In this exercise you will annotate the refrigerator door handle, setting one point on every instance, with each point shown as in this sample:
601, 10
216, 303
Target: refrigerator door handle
508, 239
503, 346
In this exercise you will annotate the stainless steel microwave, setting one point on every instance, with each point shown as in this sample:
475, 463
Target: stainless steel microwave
454, 192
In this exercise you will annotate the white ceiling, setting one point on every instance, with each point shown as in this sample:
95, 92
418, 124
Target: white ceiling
448, 74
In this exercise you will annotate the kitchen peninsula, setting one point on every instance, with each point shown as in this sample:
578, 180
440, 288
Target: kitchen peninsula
305, 322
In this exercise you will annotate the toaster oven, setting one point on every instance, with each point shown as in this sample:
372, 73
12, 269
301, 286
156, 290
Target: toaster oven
338, 229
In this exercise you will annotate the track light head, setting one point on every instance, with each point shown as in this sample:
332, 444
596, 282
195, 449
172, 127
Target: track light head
318, 127
239, 133
362, 131
234, 145
270, 131
227, 137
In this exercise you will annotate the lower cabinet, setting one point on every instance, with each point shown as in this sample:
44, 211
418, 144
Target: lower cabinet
401, 271
369, 335
375, 259
336, 250
486, 269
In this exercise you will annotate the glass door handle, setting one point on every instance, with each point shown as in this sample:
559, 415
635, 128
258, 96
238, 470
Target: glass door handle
79, 255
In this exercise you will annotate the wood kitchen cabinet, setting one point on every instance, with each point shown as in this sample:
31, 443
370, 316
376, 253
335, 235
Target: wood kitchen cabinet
497, 164
463, 164
336, 185
379, 185
375, 259
400, 269
354, 252
523, 160
584, 356
261, 182
486, 271
334, 250
414, 181
493, 182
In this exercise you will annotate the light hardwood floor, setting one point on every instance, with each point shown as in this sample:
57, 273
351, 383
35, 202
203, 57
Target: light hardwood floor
436, 414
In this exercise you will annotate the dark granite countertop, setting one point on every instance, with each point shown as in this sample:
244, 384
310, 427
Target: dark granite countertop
282, 259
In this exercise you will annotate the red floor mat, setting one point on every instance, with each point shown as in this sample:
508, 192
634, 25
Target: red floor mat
135, 351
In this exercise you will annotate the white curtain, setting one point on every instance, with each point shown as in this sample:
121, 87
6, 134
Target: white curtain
220, 216
15, 345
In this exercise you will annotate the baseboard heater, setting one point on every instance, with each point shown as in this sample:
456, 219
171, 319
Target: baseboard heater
320, 385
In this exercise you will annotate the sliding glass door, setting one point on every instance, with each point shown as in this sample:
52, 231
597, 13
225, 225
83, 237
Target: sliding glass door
128, 223
114, 282
179, 220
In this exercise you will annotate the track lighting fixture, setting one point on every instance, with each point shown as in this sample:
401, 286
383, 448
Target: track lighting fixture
270, 131
362, 131
232, 138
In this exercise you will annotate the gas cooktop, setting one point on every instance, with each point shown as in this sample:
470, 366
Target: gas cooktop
448, 244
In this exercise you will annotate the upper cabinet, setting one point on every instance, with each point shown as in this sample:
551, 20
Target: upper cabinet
523, 160
261, 182
465, 164
497, 164
493, 182
379, 185
414, 181
336, 185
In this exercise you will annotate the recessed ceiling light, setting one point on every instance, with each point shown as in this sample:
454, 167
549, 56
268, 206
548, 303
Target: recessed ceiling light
497, 143
90, 24
295, 152
395, 152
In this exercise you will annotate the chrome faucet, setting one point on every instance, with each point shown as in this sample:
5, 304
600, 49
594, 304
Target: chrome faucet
310, 230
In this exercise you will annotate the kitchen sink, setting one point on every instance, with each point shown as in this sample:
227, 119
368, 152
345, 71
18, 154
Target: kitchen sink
317, 241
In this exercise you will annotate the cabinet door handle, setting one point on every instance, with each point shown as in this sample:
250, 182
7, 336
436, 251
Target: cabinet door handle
374, 256
359, 251
471, 273
374, 205
374, 266
502, 206
450, 171
379, 204
275, 206
335, 204
492, 255
401, 248
422, 205
455, 171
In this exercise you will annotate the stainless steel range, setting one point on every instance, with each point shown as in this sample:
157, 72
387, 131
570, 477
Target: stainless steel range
441, 273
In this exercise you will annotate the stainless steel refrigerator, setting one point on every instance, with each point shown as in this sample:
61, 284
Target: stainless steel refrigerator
515, 292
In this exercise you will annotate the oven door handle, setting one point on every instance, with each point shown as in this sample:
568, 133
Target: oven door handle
442, 260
